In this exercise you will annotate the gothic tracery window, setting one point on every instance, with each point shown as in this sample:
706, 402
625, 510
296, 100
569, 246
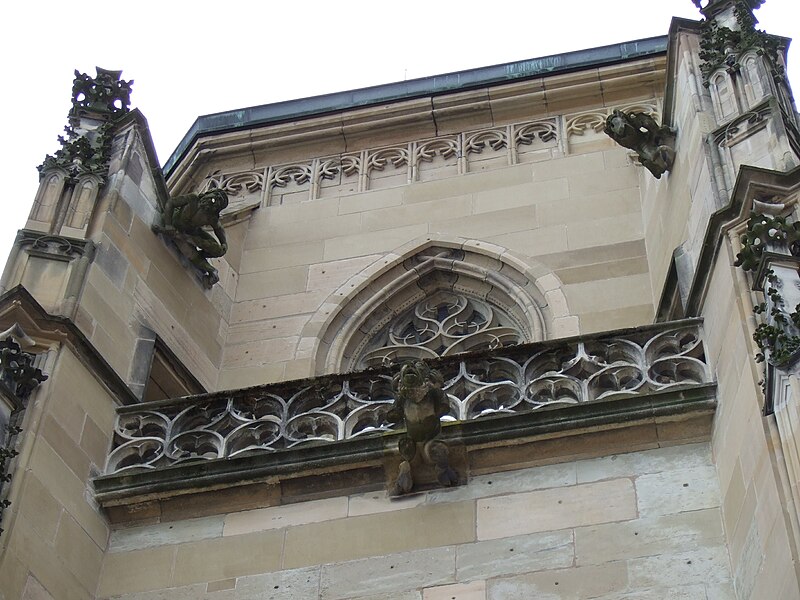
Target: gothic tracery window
441, 324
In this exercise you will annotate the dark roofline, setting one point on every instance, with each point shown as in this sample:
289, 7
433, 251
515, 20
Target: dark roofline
413, 88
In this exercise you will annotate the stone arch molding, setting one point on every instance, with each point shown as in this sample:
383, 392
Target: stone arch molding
510, 294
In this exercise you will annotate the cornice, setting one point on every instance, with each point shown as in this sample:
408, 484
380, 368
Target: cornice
295, 112
18, 306
750, 182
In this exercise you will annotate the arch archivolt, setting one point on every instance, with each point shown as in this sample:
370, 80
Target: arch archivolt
435, 296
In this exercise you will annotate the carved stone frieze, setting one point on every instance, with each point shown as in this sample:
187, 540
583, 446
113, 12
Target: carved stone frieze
462, 152
495, 139
544, 131
504, 381
408, 159
48, 245
236, 183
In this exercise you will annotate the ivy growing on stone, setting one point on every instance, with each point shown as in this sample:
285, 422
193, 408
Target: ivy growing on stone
18, 377
778, 335
80, 155
104, 99
761, 229
722, 46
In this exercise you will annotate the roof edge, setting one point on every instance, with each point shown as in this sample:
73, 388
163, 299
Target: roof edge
413, 88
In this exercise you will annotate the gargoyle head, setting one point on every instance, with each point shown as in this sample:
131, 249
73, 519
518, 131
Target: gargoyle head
414, 380
214, 199
616, 124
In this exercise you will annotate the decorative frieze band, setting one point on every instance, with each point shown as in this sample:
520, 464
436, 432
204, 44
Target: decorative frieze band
454, 154
594, 121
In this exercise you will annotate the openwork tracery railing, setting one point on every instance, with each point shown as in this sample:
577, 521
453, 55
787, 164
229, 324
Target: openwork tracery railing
503, 381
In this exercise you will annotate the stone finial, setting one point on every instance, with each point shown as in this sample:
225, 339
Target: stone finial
185, 220
653, 143
104, 95
712, 7
419, 404
767, 232
86, 147
729, 31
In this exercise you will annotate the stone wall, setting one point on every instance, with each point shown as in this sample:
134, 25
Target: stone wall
55, 535
138, 287
639, 525
574, 220
757, 513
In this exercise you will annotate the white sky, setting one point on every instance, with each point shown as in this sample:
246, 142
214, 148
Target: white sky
195, 58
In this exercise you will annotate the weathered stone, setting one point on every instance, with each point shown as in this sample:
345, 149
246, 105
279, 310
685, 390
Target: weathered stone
511, 555
162, 534
557, 508
184, 219
392, 574
638, 131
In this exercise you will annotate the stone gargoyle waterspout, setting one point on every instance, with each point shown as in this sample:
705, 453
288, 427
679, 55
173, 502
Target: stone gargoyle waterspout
419, 404
653, 143
185, 220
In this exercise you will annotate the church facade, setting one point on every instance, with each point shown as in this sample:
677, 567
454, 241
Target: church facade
522, 331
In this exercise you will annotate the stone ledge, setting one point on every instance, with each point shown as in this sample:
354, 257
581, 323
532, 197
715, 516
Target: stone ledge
669, 417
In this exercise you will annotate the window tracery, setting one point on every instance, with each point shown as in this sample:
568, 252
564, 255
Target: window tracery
441, 324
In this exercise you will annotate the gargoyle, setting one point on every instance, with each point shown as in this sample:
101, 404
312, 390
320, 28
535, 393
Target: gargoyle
185, 220
419, 404
17, 370
654, 143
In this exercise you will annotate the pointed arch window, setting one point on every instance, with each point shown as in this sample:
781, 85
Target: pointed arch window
441, 324
434, 300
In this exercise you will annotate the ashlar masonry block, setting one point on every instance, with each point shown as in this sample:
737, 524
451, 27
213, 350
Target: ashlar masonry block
557, 508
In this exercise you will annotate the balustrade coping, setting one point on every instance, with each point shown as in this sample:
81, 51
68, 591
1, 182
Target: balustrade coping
526, 347
129, 488
360, 463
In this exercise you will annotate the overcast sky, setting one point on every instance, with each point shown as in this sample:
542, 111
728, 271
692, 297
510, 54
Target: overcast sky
195, 58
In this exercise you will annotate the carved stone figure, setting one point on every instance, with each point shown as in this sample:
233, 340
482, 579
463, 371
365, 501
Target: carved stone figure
185, 220
419, 404
16, 369
654, 143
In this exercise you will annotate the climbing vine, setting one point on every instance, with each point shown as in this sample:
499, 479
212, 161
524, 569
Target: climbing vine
776, 336
761, 229
81, 154
722, 46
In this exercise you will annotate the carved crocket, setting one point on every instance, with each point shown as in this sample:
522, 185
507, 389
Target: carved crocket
419, 404
654, 143
185, 220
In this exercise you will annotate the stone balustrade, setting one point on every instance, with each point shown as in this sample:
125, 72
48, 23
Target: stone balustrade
485, 385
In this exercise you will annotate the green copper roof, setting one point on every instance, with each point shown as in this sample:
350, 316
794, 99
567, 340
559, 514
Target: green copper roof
254, 116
